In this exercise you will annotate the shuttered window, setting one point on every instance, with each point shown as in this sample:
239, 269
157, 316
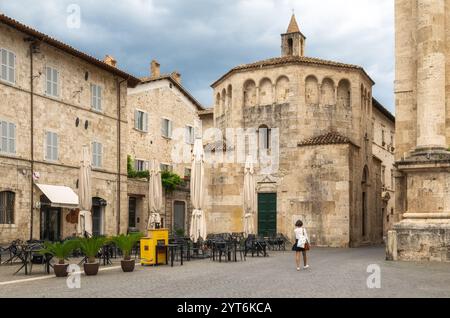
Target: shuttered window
8, 66
165, 167
96, 97
189, 135
7, 200
52, 80
7, 137
97, 154
166, 128
51, 146
141, 120
140, 165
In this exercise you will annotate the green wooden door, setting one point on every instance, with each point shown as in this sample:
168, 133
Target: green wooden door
267, 214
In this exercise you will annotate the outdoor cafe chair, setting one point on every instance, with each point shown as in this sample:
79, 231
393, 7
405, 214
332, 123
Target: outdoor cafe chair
35, 258
14, 252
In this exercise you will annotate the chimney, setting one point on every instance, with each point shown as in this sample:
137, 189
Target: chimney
110, 60
176, 76
155, 69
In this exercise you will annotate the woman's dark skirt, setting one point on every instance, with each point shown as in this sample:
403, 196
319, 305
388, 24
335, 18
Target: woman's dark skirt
295, 248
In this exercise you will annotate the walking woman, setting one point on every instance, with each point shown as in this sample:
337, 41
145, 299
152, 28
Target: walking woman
301, 245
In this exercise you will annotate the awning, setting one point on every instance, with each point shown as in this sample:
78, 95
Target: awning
59, 196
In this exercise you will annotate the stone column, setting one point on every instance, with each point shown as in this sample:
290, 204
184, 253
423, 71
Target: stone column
430, 37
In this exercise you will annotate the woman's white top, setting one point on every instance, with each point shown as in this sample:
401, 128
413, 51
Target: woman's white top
301, 234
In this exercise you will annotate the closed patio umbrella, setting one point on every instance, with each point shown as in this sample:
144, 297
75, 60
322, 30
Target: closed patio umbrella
85, 194
249, 197
198, 221
155, 202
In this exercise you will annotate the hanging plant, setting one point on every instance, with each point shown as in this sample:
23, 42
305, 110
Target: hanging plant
170, 180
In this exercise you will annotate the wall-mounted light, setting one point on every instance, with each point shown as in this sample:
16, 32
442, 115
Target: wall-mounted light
86, 76
86, 124
77, 122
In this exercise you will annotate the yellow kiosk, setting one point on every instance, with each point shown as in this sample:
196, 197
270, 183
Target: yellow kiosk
155, 247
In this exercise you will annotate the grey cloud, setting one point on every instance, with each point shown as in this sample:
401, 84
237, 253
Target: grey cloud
203, 39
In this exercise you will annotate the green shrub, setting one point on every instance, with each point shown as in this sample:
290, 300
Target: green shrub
170, 180
59, 250
91, 246
126, 243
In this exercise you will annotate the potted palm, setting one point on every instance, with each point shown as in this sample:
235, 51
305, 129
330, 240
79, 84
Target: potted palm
90, 247
126, 243
62, 252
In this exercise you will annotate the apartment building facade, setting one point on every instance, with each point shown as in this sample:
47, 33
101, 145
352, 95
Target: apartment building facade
54, 100
164, 122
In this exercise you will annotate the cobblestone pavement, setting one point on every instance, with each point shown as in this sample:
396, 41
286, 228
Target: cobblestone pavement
333, 273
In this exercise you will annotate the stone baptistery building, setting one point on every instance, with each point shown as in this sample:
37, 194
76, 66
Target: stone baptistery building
314, 119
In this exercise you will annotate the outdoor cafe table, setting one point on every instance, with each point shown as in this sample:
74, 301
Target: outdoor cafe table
224, 247
26, 256
171, 248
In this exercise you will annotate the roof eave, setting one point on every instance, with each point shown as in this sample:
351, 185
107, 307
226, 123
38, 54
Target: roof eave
132, 81
179, 86
237, 69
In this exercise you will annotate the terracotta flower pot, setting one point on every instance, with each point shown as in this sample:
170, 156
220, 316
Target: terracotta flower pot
60, 270
127, 266
91, 269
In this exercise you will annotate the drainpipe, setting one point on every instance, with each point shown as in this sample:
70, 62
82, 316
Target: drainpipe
33, 47
119, 151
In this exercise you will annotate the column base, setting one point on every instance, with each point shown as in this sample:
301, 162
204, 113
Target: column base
422, 240
427, 155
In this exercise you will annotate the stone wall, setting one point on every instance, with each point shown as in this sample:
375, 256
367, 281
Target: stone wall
384, 150
139, 189
161, 99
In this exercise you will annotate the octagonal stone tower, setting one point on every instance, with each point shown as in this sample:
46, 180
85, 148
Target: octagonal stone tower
423, 132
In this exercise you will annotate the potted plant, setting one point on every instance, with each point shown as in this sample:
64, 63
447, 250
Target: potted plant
62, 252
90, 247
126, 243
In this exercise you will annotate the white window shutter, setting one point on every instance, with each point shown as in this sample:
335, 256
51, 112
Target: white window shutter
100, 155
163, 127
12, 63
3, 136
93, 96
145, 122
136, 119
55, 144
12, 138
169, 129
47, 145
56, 82
99, 98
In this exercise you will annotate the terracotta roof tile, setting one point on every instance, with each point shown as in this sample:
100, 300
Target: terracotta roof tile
331, 138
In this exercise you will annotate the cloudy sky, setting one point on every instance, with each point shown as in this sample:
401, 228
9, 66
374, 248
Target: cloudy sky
203, 39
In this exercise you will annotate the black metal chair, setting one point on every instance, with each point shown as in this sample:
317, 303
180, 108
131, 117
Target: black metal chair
14, 251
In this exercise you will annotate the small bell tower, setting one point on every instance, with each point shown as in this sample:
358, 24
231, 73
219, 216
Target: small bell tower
293, 41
